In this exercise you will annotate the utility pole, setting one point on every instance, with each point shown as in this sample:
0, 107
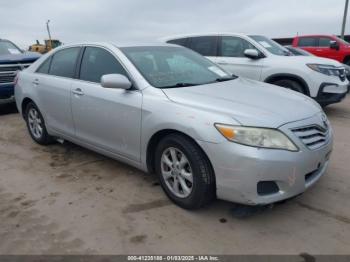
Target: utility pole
344, 18
48, 31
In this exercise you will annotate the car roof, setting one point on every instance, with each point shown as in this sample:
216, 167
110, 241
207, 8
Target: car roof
117, 45
204, 34
316, 35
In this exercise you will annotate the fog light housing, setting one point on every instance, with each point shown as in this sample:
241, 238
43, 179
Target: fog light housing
267, 188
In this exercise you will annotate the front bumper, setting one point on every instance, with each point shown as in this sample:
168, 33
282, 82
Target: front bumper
6, 91
239, 169
330, 93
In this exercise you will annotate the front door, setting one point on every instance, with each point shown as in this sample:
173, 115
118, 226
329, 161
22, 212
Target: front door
106, 118
325, 50
231, 57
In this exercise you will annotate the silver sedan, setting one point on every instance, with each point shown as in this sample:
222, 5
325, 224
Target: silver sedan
167, 110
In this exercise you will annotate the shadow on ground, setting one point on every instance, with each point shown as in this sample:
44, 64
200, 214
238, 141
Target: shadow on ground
9, 108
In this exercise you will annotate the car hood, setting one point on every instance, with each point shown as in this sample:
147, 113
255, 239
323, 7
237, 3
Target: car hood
249, 102
308, 60
24, 57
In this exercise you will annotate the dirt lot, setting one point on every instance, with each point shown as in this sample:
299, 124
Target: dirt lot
63, 199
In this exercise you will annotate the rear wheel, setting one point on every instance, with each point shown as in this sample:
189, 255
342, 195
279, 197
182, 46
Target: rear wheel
184, 172
290, 84
36, 125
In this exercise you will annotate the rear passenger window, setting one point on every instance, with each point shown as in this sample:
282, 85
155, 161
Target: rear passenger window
98, 62
181, 41
324, 42
204, 45
307, 42
44, 68
64, 62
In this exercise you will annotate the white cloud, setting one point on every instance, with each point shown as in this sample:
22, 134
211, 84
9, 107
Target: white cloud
130, 20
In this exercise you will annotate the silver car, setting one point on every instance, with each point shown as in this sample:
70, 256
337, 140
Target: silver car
167, 110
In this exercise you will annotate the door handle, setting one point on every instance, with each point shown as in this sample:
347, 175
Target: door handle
36, 82
78, 92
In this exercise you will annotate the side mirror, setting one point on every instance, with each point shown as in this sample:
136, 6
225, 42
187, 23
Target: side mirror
115, 81
252, 53
334, 45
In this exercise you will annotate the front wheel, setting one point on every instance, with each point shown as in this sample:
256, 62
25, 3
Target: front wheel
36, 125
184, 172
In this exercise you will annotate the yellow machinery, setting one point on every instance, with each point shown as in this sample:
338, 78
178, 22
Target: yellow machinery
48, 46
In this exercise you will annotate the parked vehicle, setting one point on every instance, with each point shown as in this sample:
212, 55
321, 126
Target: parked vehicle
12, 59
46, 47
297, 51
169, 110
259, 58
327, 46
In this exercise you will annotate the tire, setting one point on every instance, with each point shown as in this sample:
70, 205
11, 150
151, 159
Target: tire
36, 125
290, 84
347, 61
202, 187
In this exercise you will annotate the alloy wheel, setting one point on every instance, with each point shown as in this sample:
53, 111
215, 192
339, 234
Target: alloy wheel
177, 172
35, 123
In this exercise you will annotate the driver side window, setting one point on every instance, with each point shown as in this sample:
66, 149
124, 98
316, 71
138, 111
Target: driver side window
234, 46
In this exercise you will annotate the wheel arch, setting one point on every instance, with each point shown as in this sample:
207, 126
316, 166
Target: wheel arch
346, 59
283, 76
24, 104
154, 141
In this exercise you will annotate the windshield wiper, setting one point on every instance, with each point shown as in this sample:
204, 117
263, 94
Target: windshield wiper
226, 78
182, 84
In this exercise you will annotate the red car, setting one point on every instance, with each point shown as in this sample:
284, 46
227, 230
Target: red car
325, 46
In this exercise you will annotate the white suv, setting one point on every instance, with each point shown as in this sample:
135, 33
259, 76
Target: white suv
260, 58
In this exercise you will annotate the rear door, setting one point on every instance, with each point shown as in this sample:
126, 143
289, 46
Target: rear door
231, 57
109, 119
53, 81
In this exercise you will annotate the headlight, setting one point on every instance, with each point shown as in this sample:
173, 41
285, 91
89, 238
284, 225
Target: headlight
325, 69
347, 69
257, 137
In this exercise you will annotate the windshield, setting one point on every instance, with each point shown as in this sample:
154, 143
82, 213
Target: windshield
167, 67
342, 41
270, 45
8, 48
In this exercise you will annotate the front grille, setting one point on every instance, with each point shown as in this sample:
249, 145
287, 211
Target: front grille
7, 68
8, 72
6, 79
313, 136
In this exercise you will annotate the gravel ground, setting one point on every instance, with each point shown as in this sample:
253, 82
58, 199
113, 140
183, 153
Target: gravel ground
64, 199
